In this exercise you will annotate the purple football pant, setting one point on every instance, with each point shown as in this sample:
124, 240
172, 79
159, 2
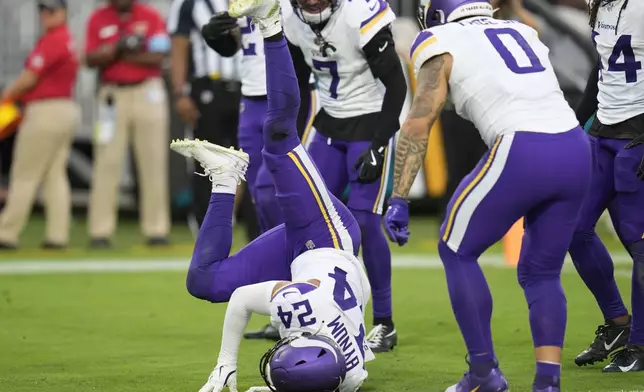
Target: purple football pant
313, 217
542, 177
614, 185
260, 182
336, 160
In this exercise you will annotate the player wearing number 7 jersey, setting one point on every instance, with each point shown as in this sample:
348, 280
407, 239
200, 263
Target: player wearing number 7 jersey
616, 90
303, 273
498, 75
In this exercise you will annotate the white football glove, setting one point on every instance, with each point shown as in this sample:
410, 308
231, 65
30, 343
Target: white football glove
223, 376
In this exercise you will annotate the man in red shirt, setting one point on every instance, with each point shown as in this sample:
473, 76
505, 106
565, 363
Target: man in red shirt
44, 140
127, 42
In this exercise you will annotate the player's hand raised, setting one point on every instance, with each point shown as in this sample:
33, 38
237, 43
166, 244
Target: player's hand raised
370, 165
223, 376
219, 25
396, 220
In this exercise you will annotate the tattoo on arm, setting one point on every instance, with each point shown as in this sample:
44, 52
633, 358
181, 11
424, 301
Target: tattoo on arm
430, 97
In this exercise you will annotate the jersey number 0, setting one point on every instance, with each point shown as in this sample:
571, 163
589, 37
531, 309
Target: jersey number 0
494, 35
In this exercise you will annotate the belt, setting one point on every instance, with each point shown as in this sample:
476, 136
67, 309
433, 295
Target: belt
126, 84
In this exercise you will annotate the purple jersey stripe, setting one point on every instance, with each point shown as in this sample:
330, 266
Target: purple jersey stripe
301, 287
422, 37
382, 4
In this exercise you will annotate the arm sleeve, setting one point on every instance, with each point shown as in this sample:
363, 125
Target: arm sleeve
243, 303
303, 73
426, 46
588, 103
385, 65
41, 61
375, 15
92, 41
180, 18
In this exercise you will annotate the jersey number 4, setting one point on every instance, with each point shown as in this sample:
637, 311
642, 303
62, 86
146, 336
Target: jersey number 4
629, 66
342, 295
510, 58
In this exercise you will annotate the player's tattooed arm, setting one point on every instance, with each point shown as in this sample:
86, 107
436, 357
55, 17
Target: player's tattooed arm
429, 99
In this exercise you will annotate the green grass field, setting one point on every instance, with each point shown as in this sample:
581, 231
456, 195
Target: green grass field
141, 331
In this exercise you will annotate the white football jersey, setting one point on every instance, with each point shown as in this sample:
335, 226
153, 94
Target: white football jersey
253, 66
501, 78
335, 307
345, 82
621, 49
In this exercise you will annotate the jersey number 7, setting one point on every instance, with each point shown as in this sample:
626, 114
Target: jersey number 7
332, 66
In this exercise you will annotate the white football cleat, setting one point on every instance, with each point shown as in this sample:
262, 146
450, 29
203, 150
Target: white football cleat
218, 162
265, 13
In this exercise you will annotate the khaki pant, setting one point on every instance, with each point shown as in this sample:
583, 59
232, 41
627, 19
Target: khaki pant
40, 158
141, 116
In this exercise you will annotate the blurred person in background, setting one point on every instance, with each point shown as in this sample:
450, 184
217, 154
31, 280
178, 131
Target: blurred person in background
127, 42
43, 143
205, 85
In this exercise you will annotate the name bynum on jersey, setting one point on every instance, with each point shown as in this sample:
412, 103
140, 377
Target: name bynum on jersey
335, 307
345, 82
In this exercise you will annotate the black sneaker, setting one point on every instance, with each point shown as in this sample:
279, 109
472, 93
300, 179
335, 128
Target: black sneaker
630, 359
100, 243
266, 332
609, 338
53, 246
158, 242
8, 246
382, 338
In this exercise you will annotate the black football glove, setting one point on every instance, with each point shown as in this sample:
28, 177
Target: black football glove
370, 164
130, 44
636, 142
218, 26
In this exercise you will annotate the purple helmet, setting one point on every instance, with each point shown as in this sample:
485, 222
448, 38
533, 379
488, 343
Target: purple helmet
314, 12
437, 12
307, 363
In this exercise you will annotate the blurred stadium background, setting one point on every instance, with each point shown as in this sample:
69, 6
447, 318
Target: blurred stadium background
121, 320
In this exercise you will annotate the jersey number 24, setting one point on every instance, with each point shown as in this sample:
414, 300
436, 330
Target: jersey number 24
342, 295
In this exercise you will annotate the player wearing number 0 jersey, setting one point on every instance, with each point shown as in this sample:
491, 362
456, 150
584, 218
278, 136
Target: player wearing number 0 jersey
498, 75
616, 91
303, 273
349, 47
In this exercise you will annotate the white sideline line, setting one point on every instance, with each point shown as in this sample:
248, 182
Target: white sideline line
30, 267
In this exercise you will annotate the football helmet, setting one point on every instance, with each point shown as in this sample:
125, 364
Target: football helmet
305, 363
314, 12
437, 12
